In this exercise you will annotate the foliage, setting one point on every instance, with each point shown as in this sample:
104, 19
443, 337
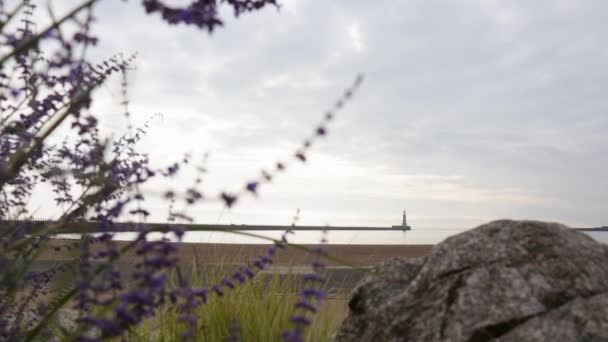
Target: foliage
256, 311
49, 138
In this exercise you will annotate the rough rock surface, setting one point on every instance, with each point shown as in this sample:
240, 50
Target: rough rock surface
505, 280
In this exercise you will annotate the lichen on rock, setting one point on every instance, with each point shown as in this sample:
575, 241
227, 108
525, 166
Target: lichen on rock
505, 280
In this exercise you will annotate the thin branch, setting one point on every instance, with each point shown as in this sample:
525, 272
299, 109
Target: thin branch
19, 158
12, 15
32, 41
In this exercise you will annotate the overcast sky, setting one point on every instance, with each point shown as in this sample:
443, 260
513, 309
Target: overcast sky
470, 110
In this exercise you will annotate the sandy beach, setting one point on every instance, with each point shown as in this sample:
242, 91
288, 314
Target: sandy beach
210, 253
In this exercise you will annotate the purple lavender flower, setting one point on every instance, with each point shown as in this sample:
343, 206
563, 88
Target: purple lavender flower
300, 321
217, 290
228, 199
228, 283
314, 277
252, 187
292, 336
318, 265
259, 264
248, 272
317, 294
272, 250
201, 293
300, 156
238, 276
306, 306
203, 14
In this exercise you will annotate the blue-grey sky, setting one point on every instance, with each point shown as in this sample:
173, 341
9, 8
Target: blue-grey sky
470, 110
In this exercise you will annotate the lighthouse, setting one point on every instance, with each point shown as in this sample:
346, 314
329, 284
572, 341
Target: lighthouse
404, 225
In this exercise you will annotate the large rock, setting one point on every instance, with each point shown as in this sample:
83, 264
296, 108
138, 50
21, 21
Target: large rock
505, 280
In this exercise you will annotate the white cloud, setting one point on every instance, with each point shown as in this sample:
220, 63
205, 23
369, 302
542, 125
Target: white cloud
480, 110
354, 34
